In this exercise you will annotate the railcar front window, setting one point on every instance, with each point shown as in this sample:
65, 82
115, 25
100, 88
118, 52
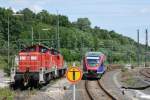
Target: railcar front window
93, 62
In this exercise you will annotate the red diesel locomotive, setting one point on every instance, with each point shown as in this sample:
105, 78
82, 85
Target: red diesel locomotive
37, 64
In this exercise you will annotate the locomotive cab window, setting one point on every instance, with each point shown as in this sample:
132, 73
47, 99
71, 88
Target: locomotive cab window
43, 49
29, 49
32, 49
54, 52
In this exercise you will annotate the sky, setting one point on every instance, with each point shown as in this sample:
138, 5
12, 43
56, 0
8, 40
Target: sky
122, 16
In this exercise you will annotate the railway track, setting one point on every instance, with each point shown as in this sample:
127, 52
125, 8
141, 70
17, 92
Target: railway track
95, 91
148, 71
146, 79
111, 67
145, 72
28, 92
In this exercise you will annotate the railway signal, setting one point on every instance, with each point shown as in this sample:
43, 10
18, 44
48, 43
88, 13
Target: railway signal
74, 75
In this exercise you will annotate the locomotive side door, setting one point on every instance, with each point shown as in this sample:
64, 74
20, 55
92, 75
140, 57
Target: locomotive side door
44, 56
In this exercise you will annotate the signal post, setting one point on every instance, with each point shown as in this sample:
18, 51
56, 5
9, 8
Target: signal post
74, 75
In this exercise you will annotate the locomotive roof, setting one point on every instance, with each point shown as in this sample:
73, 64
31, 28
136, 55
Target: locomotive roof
93, 54
40, 45
36, 45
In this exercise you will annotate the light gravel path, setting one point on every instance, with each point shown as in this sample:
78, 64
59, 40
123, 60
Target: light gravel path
110, 82
3, 80
52, 92
81, 93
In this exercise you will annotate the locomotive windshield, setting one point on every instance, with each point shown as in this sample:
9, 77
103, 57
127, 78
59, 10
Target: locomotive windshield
29, 49
93, 62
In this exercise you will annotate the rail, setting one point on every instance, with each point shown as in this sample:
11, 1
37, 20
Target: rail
145, 72
107, 94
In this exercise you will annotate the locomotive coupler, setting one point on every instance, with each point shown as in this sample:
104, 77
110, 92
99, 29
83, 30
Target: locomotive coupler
26, 77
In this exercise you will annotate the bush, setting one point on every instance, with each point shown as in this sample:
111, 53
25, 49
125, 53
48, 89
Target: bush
124, 69
3, 62
70, 55
7, 70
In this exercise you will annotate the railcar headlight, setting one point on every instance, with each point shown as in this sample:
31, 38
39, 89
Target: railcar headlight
33, 57
97, 65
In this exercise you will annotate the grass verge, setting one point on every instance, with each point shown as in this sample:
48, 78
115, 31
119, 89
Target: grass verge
127, 77
6, 94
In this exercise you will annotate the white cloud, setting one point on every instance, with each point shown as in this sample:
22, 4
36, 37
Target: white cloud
14, 10
35, 8
145, 10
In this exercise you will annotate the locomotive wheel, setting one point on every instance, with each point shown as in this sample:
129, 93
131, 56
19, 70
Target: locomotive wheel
53, 75
33, 84
39, 86
36, 84
22, 85
47, 78
13, 86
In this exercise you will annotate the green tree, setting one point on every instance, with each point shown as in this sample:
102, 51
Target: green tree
83, 24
